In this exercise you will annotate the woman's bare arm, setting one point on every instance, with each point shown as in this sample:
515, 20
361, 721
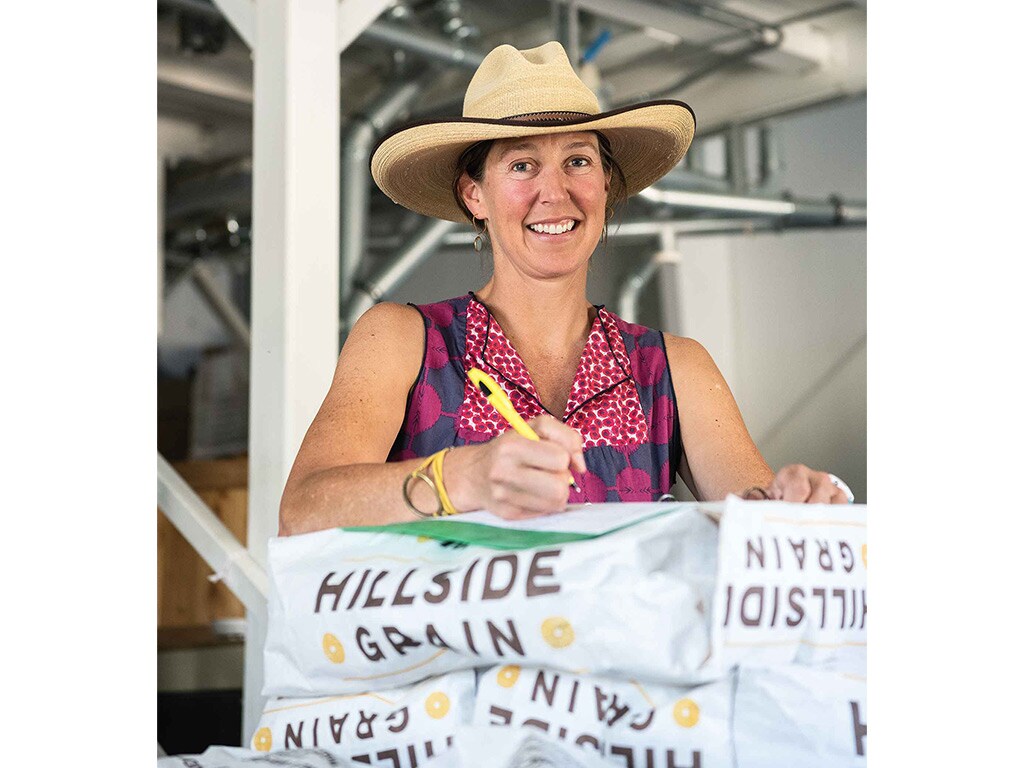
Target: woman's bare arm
339, 476
719, 453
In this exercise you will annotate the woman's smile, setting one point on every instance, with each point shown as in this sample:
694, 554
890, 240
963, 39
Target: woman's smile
554, 230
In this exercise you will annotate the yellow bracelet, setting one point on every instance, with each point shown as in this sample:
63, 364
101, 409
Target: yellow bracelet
436, 464
419, 474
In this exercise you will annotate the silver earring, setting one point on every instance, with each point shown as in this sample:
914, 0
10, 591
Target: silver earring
604, 234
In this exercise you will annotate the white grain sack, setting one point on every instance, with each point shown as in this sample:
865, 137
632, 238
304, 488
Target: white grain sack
792, 585
628, 723
358, 611
400, 728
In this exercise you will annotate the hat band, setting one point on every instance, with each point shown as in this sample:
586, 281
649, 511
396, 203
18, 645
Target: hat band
547, 117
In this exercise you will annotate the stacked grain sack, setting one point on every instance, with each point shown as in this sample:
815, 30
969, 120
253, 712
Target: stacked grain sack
679, 640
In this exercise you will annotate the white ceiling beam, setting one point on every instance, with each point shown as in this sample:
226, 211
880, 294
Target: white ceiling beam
241, 14
354, 16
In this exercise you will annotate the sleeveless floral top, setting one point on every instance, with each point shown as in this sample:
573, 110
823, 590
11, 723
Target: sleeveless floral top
622, 401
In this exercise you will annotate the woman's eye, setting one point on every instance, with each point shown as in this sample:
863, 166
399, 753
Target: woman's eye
579, 162
521, 167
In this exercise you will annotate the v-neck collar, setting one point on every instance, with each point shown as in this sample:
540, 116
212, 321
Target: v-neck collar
604, 362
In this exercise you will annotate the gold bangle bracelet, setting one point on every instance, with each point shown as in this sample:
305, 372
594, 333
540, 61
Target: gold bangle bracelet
419, 474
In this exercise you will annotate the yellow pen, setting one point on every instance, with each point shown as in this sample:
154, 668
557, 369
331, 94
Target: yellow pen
496, 396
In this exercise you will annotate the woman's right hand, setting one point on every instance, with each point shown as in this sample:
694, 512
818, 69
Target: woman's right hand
515, 477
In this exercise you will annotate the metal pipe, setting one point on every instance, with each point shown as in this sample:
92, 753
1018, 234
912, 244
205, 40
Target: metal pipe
835, 211
355, 183
375, 289
722, 16
629, 293
689, 179
417, 41
767, 38
211, 538
223, 307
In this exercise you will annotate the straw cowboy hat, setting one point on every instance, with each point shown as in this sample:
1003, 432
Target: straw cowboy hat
525, 93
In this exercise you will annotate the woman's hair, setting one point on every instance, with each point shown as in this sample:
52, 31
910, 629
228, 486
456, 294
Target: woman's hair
473, 159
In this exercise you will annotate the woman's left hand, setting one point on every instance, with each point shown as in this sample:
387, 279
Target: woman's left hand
795, 482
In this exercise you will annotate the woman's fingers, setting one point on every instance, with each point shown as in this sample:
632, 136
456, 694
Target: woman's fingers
527, 477
798, 483
534, 491
821, 489
551, 430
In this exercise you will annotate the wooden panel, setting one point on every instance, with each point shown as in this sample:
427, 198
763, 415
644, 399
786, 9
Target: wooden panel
215, 474
187, 601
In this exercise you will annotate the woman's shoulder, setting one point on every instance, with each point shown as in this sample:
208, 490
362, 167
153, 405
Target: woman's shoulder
388, 318
688, 359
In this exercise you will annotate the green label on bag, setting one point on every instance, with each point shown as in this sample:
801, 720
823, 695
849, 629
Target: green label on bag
491, 536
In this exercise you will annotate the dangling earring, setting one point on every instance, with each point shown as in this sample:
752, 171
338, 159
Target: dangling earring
478, 241
609, 214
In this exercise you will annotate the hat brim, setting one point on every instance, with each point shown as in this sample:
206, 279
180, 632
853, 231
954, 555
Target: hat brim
415, 165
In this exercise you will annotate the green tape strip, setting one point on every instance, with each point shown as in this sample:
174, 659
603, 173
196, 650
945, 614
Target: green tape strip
491, 536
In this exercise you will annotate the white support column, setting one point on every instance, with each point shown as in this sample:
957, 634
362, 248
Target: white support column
295, 263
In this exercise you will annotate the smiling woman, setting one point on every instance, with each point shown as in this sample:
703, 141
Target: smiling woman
620, 409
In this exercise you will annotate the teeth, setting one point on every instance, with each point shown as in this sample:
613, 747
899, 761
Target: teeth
553, 229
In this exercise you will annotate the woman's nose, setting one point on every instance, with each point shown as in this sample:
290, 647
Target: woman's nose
553, 185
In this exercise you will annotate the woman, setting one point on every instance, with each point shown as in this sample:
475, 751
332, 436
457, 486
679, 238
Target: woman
619, 408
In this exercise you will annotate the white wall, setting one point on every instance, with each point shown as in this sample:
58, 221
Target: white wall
784, 314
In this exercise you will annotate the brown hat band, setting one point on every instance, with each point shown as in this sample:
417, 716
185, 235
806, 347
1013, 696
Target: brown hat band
547, 117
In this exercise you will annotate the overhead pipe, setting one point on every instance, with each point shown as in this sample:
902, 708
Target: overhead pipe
629, 293
434, 47
766, 38
834, 211
722, 16
378, 287
355, 182
695, 180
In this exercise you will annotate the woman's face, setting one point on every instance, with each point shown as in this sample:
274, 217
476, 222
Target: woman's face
544, 201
